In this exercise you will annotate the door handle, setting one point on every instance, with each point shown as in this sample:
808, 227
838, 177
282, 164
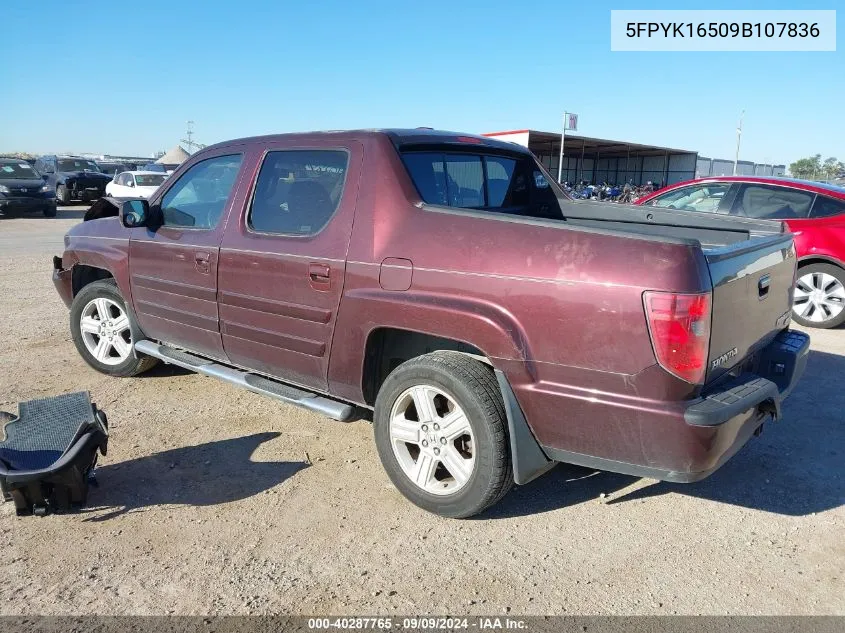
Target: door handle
763, 286
203, 262
320, 276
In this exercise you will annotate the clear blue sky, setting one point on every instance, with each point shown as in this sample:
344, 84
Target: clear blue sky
115, 77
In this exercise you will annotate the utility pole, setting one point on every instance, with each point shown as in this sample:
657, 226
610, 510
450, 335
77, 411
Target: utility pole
738, 139
189, 138
560, 159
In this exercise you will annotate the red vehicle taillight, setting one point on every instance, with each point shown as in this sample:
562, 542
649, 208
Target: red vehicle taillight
680, 332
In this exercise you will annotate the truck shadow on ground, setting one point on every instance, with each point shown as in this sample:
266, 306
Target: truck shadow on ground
796, 467
202, 475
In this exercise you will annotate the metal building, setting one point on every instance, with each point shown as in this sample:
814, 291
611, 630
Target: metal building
724, 167
598, 160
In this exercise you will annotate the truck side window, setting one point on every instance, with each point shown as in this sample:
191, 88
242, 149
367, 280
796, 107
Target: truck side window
298, 191
198, 198
490, 182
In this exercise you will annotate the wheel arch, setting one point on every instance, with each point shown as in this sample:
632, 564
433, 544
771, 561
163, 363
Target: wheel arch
388, 347
83, 274
808, 260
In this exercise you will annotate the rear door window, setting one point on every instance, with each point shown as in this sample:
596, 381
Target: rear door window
298, 191
771, 202
488, 182
825, 207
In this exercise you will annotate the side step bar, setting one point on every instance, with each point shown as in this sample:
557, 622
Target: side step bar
252, 382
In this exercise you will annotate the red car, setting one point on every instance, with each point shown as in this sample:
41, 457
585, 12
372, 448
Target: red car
814, 212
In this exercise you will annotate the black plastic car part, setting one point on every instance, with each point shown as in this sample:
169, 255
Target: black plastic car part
49, 452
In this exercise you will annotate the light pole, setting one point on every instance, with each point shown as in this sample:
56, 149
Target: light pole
738, 140
560, 158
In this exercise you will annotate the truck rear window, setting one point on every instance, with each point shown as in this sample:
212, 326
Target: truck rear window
495, 183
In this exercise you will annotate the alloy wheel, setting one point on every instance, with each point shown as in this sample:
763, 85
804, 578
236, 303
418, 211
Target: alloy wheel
432, 439
105, 331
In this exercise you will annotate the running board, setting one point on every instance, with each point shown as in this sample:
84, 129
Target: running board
252, 382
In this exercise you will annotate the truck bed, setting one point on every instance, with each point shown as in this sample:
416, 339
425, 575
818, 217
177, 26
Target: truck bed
751, 264
711, 230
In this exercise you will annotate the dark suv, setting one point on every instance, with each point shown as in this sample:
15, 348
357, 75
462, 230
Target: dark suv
73, 178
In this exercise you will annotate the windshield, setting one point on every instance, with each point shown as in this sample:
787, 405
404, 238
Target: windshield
17, 170
77, 164
149, 180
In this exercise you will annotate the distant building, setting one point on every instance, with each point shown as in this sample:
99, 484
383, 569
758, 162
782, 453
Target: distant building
705, 167
602, 160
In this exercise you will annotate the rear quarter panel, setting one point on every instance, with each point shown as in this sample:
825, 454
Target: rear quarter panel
820, 237
545, 304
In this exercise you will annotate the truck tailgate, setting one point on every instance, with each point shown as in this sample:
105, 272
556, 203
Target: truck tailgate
752, 298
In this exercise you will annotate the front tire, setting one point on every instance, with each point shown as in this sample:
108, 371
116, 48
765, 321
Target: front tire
104, 331
441, 433
819, 296
50, 212
62, 195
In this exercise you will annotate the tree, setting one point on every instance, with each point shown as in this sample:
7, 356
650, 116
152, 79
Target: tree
813, 168
806, 167
831, 168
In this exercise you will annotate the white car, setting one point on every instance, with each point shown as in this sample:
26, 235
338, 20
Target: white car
135, 184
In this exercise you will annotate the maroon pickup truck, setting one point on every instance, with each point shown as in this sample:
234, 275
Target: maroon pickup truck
445, 283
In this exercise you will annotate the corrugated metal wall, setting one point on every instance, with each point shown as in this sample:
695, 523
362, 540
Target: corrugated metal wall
706, 167
636, 169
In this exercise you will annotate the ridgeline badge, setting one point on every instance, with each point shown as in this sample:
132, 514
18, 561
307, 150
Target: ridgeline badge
723, 358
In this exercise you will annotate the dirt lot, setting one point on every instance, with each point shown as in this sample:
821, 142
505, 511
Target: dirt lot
206, 504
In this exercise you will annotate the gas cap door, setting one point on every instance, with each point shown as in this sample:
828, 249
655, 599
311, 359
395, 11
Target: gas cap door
396, 273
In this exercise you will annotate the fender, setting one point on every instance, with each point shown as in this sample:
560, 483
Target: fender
485, 326
94, 244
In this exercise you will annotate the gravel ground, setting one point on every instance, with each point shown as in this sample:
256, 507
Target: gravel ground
206, 504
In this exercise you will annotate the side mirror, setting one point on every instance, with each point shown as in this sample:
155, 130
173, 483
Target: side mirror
134, 213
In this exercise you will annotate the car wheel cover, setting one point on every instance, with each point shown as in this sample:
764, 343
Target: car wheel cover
432, 440
819, 297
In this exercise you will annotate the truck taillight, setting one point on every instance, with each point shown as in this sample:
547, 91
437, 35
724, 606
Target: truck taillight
680, 332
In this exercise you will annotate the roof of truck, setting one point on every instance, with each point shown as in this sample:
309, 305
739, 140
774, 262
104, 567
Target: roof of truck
399, 136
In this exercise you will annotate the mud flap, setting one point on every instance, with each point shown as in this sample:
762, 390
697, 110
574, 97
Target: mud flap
49, 453
529, 460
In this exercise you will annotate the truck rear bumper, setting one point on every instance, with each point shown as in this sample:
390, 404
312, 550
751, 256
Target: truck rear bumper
688, 442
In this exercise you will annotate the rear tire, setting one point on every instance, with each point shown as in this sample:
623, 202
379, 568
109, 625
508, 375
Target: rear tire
104, 331
462, 471
62, 194
820, 296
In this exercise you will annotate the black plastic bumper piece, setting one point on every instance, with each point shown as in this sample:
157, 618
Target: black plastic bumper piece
50, 451
746, 392
779, 367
